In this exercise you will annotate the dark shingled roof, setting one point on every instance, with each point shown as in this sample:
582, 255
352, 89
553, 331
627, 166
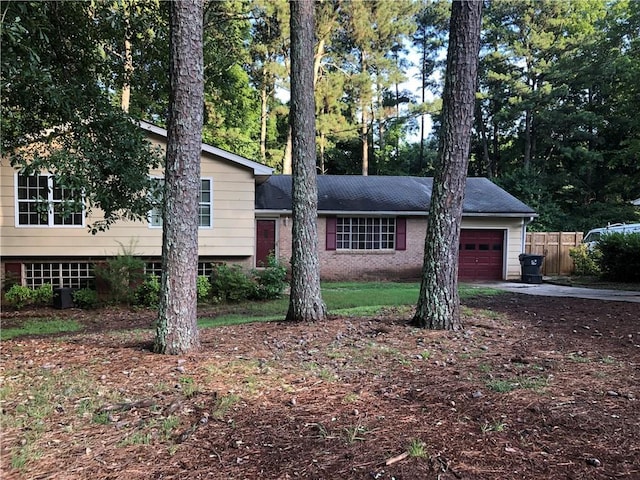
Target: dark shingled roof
370, 194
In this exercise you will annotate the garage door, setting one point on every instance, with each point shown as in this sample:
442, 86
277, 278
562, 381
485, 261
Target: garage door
481, 254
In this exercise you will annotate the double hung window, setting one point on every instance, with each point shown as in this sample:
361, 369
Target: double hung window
42, 201
205, 207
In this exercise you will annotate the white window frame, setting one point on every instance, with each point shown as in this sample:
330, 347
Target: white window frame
59, 274
155, 216
208, 204
366, 234
50, 202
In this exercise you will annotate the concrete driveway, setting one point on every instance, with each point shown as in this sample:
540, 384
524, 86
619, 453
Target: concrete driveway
550, 290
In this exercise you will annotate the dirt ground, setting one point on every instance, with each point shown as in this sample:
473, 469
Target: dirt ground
532, 388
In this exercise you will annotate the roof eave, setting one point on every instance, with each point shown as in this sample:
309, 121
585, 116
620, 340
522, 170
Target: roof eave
412, 213
258, 168
500, 214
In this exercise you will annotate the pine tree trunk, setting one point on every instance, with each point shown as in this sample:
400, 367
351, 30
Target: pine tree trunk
286, 160
364, 133
125, 99
439, 304
264, 99
177, 329
305, 301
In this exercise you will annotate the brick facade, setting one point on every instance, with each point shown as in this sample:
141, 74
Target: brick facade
398, 264
362, 265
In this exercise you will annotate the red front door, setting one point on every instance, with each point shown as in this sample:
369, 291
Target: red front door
265, 241
481, 254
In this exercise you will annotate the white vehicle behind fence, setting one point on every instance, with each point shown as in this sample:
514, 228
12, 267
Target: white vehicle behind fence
593, 236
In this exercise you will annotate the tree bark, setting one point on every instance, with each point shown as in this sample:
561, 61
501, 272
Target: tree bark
125, 99
177, 329
264, 99
287, 160
482, 129
439, 304
305, 301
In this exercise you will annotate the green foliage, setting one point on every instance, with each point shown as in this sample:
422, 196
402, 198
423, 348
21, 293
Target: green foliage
43, 295
570, 156
270, 281
54, 93
148, 292
203, 287
533, 187
620, 256
230, 283
122, 274
19, 296
586, 261
85, 298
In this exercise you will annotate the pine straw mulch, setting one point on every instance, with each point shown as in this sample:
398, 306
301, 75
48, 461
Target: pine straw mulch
533, 388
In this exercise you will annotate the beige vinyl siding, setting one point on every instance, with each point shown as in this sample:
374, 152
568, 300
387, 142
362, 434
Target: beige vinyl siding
232, 232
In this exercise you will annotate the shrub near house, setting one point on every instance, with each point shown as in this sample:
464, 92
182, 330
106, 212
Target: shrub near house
620, 257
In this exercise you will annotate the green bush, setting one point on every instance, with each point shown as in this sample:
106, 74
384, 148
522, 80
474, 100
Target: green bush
122, 274
231, 284
19, 296
586, 261
85, 298
148, 292
43, 295
204, 288
270, 281
620, 261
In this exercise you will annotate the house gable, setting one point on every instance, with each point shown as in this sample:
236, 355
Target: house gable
232, 181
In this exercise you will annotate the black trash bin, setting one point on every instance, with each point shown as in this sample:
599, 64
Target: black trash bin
62, 298
531, 267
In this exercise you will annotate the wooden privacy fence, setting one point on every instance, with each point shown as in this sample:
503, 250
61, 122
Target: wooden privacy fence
555, 248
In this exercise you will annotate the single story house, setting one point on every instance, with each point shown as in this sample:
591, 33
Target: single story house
374, 227
368, 227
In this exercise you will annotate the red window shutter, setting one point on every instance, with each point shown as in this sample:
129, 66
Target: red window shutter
401, 233
331, 233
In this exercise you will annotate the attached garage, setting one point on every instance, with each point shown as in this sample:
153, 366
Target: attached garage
373, 228
481, 254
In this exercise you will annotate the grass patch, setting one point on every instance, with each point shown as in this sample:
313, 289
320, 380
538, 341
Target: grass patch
224, 404
501, 386
509, 385
417, 449
30, 402
496, 426
355, 433
40, 326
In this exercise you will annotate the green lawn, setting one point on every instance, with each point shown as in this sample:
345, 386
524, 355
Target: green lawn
342, 298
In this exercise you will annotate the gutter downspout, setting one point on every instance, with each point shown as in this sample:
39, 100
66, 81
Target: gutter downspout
525, 222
